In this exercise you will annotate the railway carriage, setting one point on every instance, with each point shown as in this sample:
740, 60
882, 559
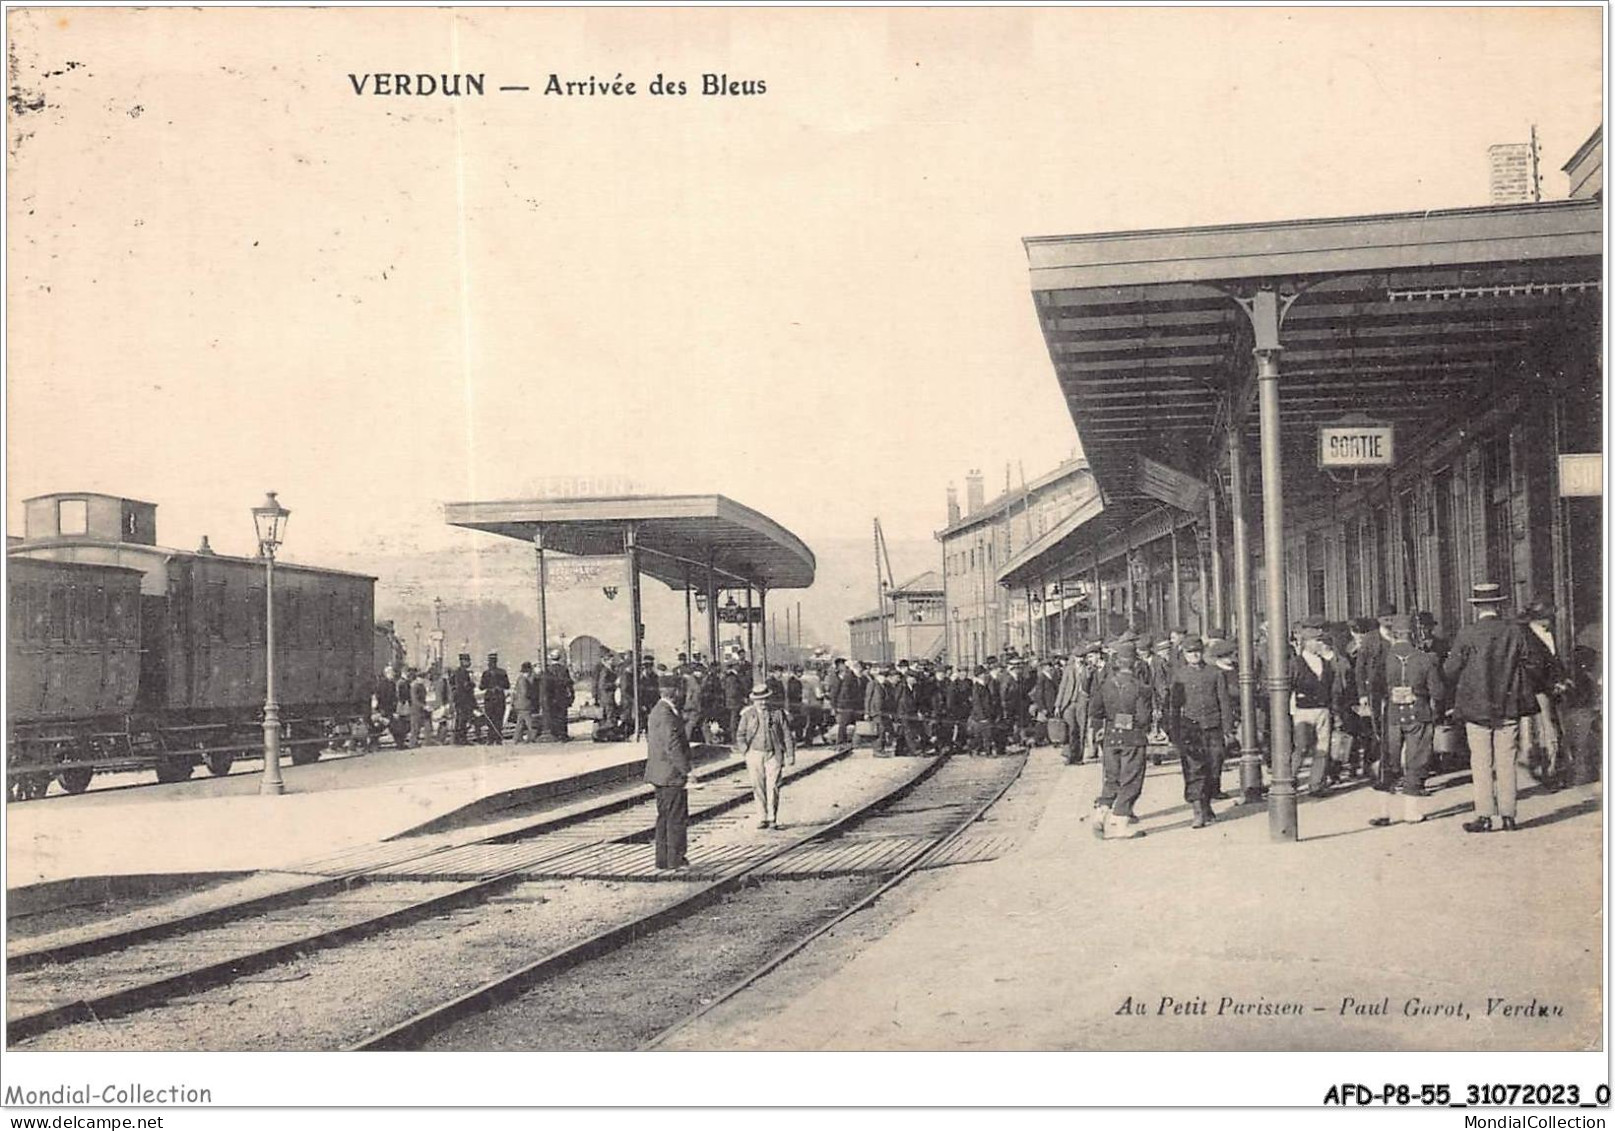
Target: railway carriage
125, 654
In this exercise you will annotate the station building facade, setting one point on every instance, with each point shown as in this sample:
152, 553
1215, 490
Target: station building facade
984, 617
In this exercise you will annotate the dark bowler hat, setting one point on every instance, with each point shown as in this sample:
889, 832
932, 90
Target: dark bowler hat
527, 665
991, 660
1220, 649
1192, 644
1313, 621
1539, 609
1362, 624
1126, 650
1402, 623
669, 683
465, 657
979, 670
1486, 593
1092, 648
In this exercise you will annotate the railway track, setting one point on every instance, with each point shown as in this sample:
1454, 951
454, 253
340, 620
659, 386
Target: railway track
636, 984
119, 972
417, 901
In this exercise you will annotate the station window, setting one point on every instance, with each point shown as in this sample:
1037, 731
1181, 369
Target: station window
1317, 576
1354, 567
120, 621
56, 616
17, 602
255, 615
213, 609
72, 516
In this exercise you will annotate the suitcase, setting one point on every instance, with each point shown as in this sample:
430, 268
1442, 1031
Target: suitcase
1058, 734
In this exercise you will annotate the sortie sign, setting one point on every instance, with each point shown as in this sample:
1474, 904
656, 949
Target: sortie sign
1356, 445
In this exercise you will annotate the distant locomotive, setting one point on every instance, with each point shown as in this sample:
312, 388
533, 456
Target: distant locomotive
126, 655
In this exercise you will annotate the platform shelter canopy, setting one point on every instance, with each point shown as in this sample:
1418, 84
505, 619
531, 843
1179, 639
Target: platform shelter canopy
678, 536
1405, 318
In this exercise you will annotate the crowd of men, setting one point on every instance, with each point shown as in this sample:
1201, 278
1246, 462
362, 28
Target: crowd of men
1379, 697
421, 708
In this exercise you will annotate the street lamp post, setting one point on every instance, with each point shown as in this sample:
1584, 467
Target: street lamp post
270, 522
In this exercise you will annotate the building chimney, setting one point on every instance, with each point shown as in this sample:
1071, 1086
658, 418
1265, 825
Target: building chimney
975, 491
204, 549
953, 504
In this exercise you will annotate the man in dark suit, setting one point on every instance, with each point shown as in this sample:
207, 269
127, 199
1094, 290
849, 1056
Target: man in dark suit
667, 766
1492, 671
495, 683
877, 711
986, 712
463, 692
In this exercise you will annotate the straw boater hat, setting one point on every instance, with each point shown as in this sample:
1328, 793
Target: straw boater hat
759, 692
1487, 593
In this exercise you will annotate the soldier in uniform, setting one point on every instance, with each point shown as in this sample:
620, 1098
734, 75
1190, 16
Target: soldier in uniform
495, 683
1120, 703
463, 693
1200, 713
1412, 685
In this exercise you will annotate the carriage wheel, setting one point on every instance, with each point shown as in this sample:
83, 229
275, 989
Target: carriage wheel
171, 770
219, 762
76, 780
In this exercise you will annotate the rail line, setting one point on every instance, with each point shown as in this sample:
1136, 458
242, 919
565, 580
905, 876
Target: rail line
886, 839
616, 825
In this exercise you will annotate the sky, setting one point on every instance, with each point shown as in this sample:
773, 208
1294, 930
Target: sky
227, 272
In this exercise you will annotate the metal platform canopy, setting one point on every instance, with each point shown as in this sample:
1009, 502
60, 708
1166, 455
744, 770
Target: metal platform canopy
683, 541
1164, 341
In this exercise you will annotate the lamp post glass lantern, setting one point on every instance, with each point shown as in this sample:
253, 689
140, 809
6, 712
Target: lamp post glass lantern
269, 520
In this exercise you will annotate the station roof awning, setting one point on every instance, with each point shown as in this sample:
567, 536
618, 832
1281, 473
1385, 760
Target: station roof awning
1406, 318
678, 536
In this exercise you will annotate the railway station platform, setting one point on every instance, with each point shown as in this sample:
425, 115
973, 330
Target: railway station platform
213, 826
1416, 936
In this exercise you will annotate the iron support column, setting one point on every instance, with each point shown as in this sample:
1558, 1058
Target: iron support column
1200, 574
712, 617
1177, 585
1218, 613
689, 620
1098, 600
762, 617
1250, 758
632, 550
543, 609
1281, 800
751, 643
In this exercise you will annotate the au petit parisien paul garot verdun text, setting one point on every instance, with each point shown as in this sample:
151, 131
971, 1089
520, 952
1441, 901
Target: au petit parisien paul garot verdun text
473, 84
